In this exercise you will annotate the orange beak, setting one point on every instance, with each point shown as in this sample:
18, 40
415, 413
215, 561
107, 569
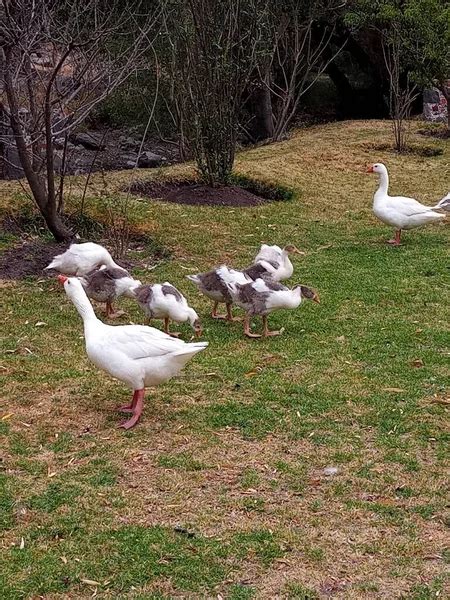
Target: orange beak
370, 169
316, 298
62, 279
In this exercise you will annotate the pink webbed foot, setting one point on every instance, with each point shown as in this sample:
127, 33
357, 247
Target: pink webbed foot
138, 405
396, 240
116, 314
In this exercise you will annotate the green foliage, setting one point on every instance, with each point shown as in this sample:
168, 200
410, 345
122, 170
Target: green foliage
423, 27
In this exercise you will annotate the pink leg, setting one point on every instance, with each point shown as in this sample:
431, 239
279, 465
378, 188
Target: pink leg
129, 408
266, 331
396, 240
214, 312
230, 314
166, 329
137, 410
247, 331
111, 313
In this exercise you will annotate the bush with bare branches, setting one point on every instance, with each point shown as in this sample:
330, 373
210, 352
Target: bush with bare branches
58, 60
214, 48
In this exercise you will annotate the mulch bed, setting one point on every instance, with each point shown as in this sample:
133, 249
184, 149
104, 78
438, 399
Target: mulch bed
440, 134
28, 259
195, 194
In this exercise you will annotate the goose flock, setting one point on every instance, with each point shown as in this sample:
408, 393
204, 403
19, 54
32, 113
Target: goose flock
142, 356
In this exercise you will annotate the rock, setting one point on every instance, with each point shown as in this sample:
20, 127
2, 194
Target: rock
148, 160
128, 161
89, 140
330, 471
129, 143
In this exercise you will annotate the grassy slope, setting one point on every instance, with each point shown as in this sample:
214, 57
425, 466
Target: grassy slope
233, 451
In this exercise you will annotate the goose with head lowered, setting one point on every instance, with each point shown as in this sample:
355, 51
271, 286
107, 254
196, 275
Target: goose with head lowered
106, 284
164, 301
80, 259
137, 355
401, 212
263, 296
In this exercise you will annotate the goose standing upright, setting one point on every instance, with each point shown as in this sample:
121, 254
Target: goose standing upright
80, 259
139, 356
402, 212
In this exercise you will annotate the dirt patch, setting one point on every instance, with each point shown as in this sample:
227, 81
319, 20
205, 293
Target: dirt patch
440, 134
197, 194
424, 151
28, 259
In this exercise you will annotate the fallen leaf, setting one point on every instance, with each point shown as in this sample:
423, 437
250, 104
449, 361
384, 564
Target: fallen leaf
40, 324
394, 389
64, 559
251, 374
8, 416
418, 362
22, 544
90, 582
329, 471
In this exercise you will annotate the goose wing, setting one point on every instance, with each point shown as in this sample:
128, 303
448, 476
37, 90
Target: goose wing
269, 253
139, 341
409, 206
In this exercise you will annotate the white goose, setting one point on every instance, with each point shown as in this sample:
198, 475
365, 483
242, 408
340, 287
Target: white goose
273, 261
402, 212
80, 259
139, 356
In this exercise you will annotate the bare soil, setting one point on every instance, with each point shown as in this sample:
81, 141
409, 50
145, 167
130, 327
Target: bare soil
28, 258
440, 134
196, 194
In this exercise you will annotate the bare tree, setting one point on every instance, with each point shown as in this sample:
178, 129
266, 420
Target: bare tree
58, 60
214, 48
302, 33
402, 91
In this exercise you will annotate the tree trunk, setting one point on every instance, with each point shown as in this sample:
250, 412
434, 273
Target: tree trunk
261, 107
35, 179
57, 228
445, 89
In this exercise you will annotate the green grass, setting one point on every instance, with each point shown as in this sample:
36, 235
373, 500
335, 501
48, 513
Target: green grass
220, 489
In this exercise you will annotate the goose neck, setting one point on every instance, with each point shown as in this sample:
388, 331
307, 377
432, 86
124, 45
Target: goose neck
384, 182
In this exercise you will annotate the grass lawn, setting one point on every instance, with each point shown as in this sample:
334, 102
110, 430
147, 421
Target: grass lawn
220, 491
